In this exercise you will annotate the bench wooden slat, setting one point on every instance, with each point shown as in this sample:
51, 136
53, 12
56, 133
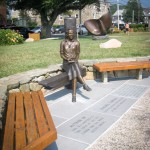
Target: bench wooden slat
116, 66
102, 67
20, 123
29, 124
46, 112
39, 144
30, 118
41, 122
8, 143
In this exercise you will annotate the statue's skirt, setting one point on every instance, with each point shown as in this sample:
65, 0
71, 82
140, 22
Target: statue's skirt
73, 69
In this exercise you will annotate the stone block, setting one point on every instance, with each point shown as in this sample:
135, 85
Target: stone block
142, 59
90, 69
25, 79
12, 84
35, 86
38, 79
89, 76
14, 91
25, 88
3, 91
125, 59
107, 60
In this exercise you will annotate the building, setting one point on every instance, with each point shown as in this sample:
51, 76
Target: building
3, 14
115, 17
147, 16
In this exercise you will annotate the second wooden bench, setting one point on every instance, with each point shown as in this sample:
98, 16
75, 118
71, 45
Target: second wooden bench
104, 68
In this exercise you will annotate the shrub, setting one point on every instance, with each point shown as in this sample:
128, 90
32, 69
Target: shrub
9, 37
135, 29
116, 30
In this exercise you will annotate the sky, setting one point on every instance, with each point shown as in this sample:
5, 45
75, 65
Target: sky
144, 3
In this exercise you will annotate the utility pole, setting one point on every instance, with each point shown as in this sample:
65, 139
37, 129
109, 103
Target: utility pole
138, 11
118, 12
133, 16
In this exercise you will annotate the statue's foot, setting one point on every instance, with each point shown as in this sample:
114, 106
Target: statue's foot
73, 98
86, 87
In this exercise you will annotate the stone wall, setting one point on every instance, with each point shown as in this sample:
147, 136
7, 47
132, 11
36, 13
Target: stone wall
28, 81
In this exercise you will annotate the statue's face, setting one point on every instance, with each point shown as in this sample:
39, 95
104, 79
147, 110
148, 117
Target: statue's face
70, 34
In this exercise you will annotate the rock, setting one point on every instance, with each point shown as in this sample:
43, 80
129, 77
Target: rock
24, 88
12, 84
90, 69
14, 91
39, 79
3, 91
35, 87
29, 40
25, 79
113, 43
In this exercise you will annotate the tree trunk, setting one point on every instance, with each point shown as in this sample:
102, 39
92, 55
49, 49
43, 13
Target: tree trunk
46, 25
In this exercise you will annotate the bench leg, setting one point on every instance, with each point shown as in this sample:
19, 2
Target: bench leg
105, 77
139, 74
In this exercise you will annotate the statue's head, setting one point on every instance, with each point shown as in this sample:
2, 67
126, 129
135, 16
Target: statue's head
70, 34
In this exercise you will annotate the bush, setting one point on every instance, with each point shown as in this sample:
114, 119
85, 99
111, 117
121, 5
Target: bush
135, 29
9, 37
116, 30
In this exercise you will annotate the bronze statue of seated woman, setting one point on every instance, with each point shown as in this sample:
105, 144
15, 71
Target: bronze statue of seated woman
69, 52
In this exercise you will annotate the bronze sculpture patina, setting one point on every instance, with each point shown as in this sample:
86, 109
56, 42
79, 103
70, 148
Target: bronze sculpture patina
99, 26
69, 52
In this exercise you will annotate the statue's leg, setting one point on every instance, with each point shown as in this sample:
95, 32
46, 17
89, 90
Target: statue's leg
74, 86
85, 86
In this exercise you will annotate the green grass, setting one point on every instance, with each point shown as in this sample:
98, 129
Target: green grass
40, 54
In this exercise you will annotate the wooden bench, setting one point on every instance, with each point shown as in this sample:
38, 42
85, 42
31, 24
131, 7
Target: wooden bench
59, 80
114, 66
29, 125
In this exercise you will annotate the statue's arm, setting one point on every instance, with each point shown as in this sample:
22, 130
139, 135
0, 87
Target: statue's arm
77, 50
62, 51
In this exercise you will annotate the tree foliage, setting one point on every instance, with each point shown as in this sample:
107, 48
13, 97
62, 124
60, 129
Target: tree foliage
133, 7
50, 9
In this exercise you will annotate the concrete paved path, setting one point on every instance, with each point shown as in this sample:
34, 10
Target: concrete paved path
81, 124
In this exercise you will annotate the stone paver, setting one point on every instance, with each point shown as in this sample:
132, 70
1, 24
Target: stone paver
97, 114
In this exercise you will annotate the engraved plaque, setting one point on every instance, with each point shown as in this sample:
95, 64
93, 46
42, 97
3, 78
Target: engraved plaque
113, 105
132, 91
87, 126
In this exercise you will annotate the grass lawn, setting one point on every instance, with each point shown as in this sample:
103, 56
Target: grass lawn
40, 54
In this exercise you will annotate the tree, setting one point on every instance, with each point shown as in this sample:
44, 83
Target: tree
113, 8
50, 9
133, 9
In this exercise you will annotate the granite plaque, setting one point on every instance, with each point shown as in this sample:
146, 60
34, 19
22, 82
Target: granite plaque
132, 91
113, 105
87, 126
143, 82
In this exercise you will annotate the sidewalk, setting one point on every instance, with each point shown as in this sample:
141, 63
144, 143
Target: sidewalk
114, 115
